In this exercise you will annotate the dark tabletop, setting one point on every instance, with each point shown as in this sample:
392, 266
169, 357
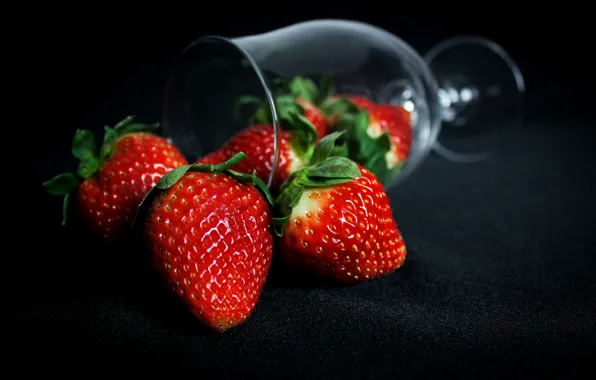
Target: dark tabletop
499, 281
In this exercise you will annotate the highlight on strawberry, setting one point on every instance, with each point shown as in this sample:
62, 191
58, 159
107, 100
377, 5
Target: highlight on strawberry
209, 232
111, 181
335, 219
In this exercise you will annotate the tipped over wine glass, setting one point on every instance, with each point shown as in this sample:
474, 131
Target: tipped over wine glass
455, 100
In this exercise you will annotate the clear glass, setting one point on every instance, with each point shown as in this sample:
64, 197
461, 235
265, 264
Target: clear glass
468, 86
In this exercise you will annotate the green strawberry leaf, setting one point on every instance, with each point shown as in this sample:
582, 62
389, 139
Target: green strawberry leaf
291, 118
304, 134
340, 151
304, 88
332, 171
326, 147
252, 180
230, 162
109, 139
384, 142
83, 148
123, 123
170, 178
339, 106
83, 144
262, 115
326, 89
247, 99
334, 168
361, 147
377, 164
65, 207
88, 167
62, 185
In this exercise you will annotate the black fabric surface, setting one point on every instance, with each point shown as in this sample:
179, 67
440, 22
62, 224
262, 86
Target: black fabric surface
500, 277
499, 281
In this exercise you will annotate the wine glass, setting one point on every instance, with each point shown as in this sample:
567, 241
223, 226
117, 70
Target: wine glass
455, 97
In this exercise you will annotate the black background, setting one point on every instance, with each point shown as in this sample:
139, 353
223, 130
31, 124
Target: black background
500, 278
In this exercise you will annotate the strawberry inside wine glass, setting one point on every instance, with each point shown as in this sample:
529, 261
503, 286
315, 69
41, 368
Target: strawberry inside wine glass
274, 95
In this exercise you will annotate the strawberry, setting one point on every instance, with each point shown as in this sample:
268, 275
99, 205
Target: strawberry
337, 220
296, 143
208, 231
379, 136
110, 184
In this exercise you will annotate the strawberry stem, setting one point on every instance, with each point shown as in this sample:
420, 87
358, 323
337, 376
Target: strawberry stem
361, 147
327, 147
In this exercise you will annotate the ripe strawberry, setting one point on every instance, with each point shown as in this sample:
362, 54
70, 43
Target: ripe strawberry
338, 220
378, 137
208, 229
111, 183
296, 143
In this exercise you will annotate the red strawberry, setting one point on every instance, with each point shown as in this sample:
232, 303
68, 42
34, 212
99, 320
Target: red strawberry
338, 220
378, 137
111, 183
208, 229
296, 142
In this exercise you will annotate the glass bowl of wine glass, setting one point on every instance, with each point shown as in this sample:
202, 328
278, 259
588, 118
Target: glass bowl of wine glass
278, 93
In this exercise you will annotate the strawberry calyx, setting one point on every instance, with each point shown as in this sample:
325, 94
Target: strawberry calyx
84, 148
361, 147
307, 89
173, 176
326, 168
291, 117
321, 96
290, 112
